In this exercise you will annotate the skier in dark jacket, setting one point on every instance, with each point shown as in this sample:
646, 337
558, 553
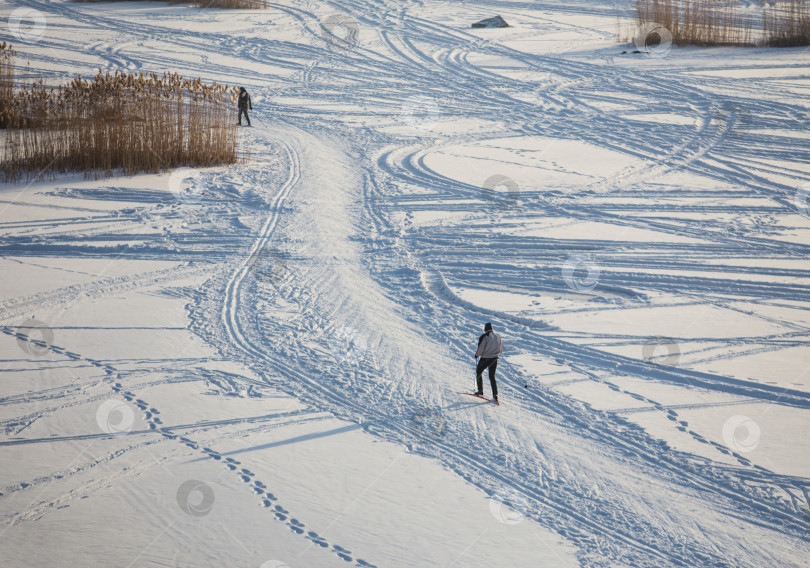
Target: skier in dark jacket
490, 347
244, 105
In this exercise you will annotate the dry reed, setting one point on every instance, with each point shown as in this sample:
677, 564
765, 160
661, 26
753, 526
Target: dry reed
116, 123
238, 4
235, 4
787, 25
6, 83
777, 23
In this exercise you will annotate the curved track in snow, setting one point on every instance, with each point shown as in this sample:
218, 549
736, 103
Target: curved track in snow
371, 317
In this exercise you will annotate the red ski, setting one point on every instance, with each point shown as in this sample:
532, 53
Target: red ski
481, 397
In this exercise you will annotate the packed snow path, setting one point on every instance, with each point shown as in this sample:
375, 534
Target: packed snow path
636, 199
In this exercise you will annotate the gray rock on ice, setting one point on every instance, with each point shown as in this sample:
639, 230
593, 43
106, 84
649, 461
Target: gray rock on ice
493, 22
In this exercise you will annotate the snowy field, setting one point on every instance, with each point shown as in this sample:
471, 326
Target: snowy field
260, 365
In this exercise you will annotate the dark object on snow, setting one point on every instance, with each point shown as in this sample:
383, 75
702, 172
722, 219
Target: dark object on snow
244, 105
493, 22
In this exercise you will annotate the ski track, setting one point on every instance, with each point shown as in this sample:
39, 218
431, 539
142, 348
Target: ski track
151, 415
418, 267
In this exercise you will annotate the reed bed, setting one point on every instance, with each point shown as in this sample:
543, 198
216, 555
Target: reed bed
774, 23
787, 25
116, 123
237, 4
234, 4
6, 82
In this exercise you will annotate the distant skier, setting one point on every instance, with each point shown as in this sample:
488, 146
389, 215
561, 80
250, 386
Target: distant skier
244, 105
490, 347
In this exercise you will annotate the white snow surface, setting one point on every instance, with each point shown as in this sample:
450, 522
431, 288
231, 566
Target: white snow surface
268, 373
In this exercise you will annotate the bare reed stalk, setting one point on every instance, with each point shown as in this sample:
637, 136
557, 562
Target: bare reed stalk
779, 23
118, 123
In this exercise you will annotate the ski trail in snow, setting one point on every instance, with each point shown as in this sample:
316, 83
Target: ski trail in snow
229, 313
394, 288
558, 512
233, 325
168, 433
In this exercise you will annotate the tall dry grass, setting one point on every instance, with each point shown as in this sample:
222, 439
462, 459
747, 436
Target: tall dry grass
117, 123
6, 82
787, 24
775, 23
239, 4
236, 4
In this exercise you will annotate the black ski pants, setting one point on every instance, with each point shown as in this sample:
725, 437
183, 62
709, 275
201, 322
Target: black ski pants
490, 363
243, 110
